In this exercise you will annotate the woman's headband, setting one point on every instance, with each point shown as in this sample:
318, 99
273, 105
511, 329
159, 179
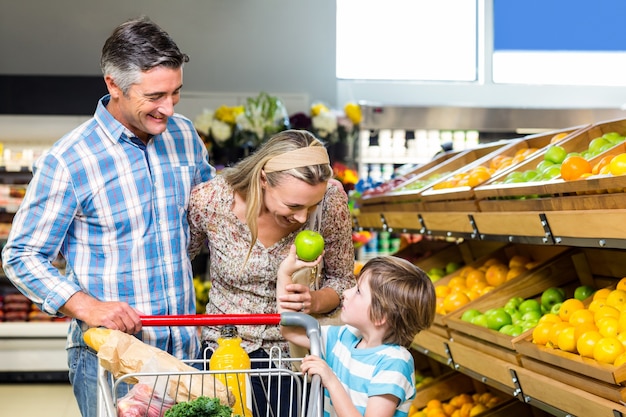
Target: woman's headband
301, 157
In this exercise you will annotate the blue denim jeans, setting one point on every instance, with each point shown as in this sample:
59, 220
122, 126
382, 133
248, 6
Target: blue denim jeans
83, 364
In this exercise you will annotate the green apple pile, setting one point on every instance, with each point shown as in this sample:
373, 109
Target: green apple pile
550, 167
201, 288
518, 314
436, 273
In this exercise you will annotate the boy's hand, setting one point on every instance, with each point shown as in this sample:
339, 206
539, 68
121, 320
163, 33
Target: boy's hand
314, 365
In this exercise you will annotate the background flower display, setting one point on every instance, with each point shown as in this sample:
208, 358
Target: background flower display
232, 132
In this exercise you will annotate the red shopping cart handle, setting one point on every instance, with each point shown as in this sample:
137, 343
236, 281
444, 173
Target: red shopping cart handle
210, 319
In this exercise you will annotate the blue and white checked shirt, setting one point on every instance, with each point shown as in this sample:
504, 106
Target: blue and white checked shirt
119, 222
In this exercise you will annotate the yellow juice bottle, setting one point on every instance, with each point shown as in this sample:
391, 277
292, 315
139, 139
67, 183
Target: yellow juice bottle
229, 355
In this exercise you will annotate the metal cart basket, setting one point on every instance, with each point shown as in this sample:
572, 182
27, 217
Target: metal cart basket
278, 380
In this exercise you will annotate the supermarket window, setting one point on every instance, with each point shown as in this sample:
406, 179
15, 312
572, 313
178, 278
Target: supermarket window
421, 40
559, 42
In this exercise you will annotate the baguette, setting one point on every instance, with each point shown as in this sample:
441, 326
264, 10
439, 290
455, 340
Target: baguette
123, 354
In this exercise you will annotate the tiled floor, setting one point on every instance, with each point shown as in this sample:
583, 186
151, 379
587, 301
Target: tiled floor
35, 400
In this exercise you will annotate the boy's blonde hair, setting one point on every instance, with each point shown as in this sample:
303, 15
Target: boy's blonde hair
402, 295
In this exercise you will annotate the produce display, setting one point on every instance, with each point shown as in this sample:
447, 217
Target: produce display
596, 330
481, 173
518, 315
472, 282
558, 162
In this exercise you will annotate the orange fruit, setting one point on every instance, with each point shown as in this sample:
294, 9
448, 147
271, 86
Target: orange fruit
621, 322
574, 166
602, 293
456, 282
617, 166
454, 301
616, 298
558, 137
519, 261
433, 404
566, 340
586, 343
596, 304
442, 290
621, 284
608, 326
475, 278
496, 274
606, 311
550, 318
568, 307
477, 177
541, 333
556, 329
597, 168
583, 328
607, 349
581, 316
515, 272
620, 360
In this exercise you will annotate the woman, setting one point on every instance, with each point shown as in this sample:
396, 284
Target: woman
250, 215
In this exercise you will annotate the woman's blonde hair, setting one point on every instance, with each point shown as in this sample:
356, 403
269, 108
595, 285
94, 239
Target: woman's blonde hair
245, 176
402, 295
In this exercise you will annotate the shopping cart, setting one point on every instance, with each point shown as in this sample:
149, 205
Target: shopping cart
305, 394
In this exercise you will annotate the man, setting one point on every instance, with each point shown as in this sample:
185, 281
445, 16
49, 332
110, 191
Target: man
111, 197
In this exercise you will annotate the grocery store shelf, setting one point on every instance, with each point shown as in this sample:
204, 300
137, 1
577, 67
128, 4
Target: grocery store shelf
32, 351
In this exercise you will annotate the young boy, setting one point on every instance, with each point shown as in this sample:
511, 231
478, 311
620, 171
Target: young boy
367, 369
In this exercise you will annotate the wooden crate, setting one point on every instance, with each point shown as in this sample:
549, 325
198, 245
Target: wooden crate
602, 389
557, 272
431, 344
539, 142
452, 222
484, 366
525, 223
565, 397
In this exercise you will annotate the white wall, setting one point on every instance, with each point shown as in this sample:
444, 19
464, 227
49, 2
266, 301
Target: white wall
278, 46
235, 45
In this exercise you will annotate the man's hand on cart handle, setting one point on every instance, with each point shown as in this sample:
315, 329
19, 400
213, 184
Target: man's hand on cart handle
115, 315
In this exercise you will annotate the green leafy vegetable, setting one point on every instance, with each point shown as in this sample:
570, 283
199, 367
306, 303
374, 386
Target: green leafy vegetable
200, 407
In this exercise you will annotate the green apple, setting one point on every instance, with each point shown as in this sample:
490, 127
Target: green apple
531, 175
583, 292
596, 144
551, 172
531, 315
613, 137
555, 154
551, 296
480, 320
516, 316
512, 330
543, 165
469, 315
556, 308
513, 303
452, 267
498, 318
530, 305
309, 245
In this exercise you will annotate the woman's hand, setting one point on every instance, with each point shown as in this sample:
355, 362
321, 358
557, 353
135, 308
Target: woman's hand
294, 296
